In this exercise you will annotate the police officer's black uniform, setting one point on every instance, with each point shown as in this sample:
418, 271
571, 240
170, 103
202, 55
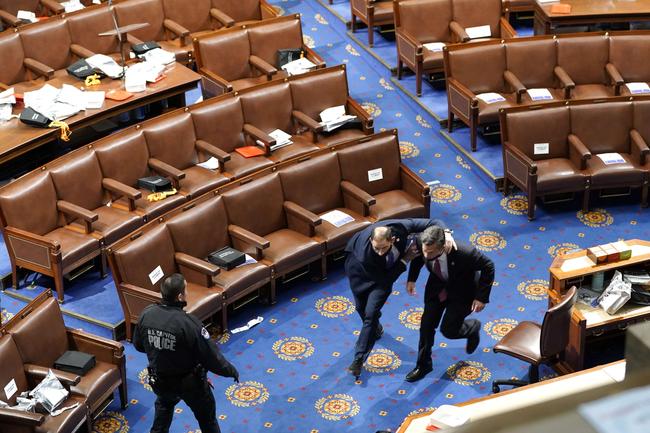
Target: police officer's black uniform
180, 351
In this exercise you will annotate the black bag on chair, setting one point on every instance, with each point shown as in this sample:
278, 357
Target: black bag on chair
31, 117
155, 183
288, 55
142, 48
81, 69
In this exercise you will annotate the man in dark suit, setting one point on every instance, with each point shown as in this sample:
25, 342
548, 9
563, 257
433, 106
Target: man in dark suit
459, 283
376, 256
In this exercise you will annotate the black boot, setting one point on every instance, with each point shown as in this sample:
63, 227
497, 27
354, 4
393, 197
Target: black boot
379, 332
355, 368
418, 373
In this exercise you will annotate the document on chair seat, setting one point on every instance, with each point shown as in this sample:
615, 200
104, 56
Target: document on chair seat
434, 46
334, 117
210, 164
626, 412
299, 66
638, 88
539, 94
281, 139
27, 16
337, 218
478, 32
611, 158
8, 96
72, 6
490, 97
248, 261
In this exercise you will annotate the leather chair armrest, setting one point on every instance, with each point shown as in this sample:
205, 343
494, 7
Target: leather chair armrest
105, 350
177, 29
313, 57
565, 81
416, 47
259, 137
81, 51
578, 152
38, 371
54, 246
461, 88
515, 83
167, 170
458, 31
140, 293
615, 76
639, 147
214, 79
507, 31
38, 68
355, 108
262, 66
73, 210
413, 185
307, 121
54, 6
222, 156
302, 213
250, 238
196, 264
356, 199
267, 10
522, 157
8, 18
19, 417
222, 17
118, 187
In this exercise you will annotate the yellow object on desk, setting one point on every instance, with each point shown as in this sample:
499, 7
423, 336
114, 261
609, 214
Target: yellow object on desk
157, 196
65, 129
92, 80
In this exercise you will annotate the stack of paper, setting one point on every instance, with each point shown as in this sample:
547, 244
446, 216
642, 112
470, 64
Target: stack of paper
334, 117
210, 164
448, 416
299, 66
159, 56
434, 46
72, 5
27, 16
611, 158
281, 139
478, 32
490, 97
337, 218
106, 64
638, 88
7, 99
539, 94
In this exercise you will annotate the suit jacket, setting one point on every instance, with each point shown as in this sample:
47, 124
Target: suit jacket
365, 268
462, 266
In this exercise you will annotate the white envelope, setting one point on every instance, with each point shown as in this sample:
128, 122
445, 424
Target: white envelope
478, 32
638, 88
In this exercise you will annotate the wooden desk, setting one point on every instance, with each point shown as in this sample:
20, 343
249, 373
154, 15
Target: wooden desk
517, 398
590, 12
587, 322
17, 138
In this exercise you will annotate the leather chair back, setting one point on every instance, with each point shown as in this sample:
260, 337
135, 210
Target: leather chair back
314, 184
315, 93
40, 335
12, 368
124, 157
86, 24
265, 40
489, 59
269, 107
12, 70
603, 128
202, 229
641, 116
257, 206
239, 10
172, 140
226, 54
357, 161
584, 58
426, 20
525, 128
472, 13
533, 62
220, 124
143, 11
194, 18
555, 327
136, 260
633, 68
31, 206
79, 180
48, 42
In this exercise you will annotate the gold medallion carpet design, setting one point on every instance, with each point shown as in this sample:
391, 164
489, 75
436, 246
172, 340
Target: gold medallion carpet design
337, 407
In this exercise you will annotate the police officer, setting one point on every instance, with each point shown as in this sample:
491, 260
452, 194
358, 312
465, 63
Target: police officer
179, 351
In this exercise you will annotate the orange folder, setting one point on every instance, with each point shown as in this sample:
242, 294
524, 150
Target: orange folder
561, 9
250, 151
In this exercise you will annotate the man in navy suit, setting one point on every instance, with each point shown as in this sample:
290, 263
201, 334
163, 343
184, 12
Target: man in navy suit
459, 283
376, 256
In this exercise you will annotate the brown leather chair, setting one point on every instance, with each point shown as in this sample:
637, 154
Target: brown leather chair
522, 74
624, 68
234, 12
472, 13
36, 233
84, 27
174, 152
133, 259
124, 158
581, 65
372, 13
9, 9
13, 70
398, 192
42, 337
26, 378
538, 344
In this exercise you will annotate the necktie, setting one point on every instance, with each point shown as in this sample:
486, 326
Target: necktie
442, 294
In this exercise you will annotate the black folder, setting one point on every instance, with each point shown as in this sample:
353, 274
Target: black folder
75, 362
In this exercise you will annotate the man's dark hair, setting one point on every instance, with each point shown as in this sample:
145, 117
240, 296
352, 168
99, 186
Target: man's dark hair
381, 232
434, 235
172, 287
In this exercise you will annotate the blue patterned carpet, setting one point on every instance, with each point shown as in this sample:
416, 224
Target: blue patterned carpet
292, 365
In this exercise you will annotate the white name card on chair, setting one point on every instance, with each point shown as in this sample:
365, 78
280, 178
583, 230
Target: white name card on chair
490, 97
539, 94
638, 88
611, 158
478, 32
434, 46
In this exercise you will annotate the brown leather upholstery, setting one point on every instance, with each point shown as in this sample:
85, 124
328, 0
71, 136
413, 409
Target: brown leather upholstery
584, 59
84, 26
48, 42
12, 70
538, 344
13, 368
42, 337
9, 9
372, 13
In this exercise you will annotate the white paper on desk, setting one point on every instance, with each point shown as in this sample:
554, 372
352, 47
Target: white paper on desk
94, 99
249, 261
298, 66
478, 32
248, 325
148, 71
46, 94
539, 94
337, 218
72, 96
434, 46
490, 97
5, 112
159, 56
106, 64
27, 16
638, 88
8, 97
626, 412
72, 6
210, 164
611, 158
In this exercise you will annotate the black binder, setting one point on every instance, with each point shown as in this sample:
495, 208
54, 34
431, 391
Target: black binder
155, 183
227, 258
75, 362
140, 49
31, 117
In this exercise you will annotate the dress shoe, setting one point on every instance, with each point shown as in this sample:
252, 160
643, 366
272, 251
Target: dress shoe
379, 332
472, 342
355, 368
418, 373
